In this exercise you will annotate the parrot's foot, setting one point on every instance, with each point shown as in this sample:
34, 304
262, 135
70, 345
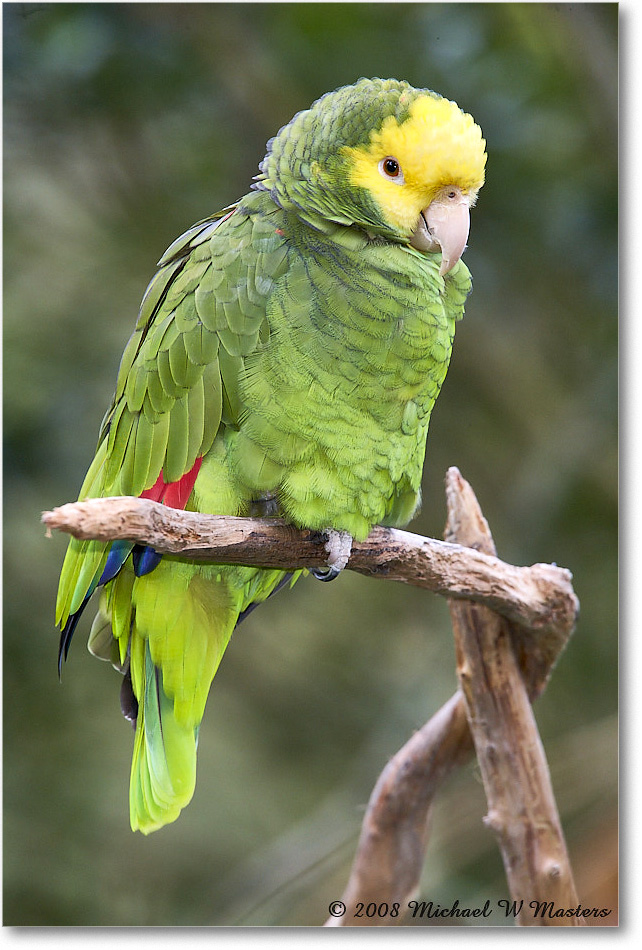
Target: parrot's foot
338, 546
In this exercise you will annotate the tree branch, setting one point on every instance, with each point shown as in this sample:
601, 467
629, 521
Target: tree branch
394, 835
541, 597
392, 846
521, 805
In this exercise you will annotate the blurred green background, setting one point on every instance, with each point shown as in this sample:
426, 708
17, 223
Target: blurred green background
124, 124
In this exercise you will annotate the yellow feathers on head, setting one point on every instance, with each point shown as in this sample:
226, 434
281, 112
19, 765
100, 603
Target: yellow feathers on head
437, 145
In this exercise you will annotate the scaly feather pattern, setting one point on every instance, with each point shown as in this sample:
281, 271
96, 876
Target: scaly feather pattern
286, 360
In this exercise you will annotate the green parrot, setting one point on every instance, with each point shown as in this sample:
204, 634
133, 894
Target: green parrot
285, 361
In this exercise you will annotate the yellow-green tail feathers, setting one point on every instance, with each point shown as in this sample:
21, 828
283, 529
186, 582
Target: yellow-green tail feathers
178, 626
163, 774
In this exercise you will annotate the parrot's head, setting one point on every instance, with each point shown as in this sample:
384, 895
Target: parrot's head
401, 163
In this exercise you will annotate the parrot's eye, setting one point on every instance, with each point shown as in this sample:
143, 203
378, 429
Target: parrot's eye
391, 169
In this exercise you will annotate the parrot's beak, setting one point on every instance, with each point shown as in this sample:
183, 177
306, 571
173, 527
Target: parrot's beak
444, 225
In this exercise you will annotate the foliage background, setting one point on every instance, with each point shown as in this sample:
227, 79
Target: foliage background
123, 124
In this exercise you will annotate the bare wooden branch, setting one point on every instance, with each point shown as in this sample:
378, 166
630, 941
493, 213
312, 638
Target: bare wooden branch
521, 804
394, 834
540, 597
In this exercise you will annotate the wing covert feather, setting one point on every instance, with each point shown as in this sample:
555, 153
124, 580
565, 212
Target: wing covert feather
202, 313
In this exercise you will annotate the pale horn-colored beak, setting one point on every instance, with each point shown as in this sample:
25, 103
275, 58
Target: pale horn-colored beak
444, 225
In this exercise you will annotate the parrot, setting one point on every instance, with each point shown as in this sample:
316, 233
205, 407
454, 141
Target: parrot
285, 361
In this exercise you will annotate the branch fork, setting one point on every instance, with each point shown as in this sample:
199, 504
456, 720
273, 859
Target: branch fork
510, 626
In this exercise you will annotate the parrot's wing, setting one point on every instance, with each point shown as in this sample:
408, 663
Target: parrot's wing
178, 382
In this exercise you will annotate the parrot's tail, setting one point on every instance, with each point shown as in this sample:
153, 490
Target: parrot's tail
172, 627
163, 775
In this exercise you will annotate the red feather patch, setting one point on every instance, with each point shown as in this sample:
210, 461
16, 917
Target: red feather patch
174, 494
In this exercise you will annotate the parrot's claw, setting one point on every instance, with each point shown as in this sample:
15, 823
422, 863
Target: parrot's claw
325, 574
338, 546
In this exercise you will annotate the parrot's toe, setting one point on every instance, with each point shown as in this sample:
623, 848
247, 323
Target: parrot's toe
338, 546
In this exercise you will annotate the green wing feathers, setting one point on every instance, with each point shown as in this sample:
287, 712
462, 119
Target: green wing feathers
177, 386
200, 316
